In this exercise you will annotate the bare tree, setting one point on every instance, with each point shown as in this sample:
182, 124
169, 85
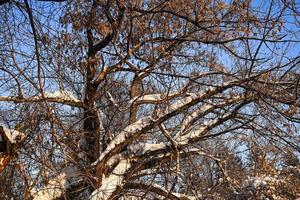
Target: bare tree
172, 99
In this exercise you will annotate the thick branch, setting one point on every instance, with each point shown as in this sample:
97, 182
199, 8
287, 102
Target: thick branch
41, 99
143, 125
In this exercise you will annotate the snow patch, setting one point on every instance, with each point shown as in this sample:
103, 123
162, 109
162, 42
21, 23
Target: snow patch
195, 115
65, 95
143, 148
153, 98
121, 138
262, 181
180, 103
13, 135
111, 99
110, 183
178, 195
57, 185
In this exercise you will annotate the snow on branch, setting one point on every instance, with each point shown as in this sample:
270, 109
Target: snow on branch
145, 124
162, 150
54, 189
159, 190
65, 95
197, 134
153, 98
204, 110
10, 141
126, 133
111, 99
12, 135
57, 185
164, 155
112, 182
144, 148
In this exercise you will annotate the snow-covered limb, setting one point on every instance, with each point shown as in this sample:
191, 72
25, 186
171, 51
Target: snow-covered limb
111, 99
145, 124
13, 136
161, 152
182, 103
54, 189
167, 153
200, 131
10, 141
112, 182
181, 142
154, 98
144, 148
51, 97
164, 151
126, 133
161, 97
158, 190
205, 109
57, 186
65, 95
197, 134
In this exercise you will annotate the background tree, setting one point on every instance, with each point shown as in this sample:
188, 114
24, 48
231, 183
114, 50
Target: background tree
154, 99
